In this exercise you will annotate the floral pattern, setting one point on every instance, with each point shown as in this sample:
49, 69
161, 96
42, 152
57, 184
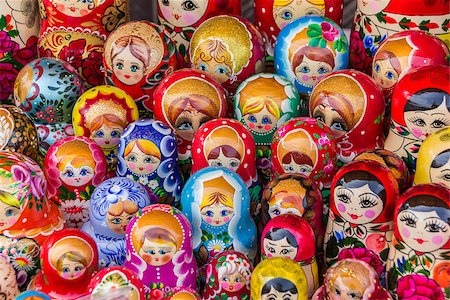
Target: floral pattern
419, 287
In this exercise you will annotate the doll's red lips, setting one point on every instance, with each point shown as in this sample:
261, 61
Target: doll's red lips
420, 241
127, 76
176, 16
72, 9
217, 222
354, 217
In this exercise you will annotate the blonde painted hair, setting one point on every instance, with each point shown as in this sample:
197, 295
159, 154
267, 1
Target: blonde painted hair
147, 147
216, 197
256, 104
81, 157
71, 256
214, 49
9, 199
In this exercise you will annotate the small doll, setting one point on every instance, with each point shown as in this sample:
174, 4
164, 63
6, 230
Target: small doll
159, 249
352, 106
351, 279
419, 250
229, 48
113, 204
182, 293
33, 295
420, 106
8, 283
363, 195
74, 166
217, 203
228, 276
147, 153
69, 259
101, 114
309, 48
278, 278
433, 160
116, 280
184, 101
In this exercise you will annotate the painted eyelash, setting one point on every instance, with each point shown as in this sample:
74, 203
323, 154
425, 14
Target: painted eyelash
408, 217
372, 201
414, 118
443, 120
344, 193
429, 223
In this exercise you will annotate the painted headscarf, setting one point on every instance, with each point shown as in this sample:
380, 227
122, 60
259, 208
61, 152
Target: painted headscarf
219, 186
358, 101
162, 224
114, 191
156, 140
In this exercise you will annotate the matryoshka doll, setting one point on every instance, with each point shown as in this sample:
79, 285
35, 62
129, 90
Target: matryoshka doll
46, 89
377, 20
19, 30
227, 143
75, 31
33, 295
182, 293
405, 51
148, 154
69, 259
263, 103
113, 204
352, 106
418, 257
363, 195
26, 211
351, 279
181, 18
292, 237
309, 48
159, 249
278, 278
114, 282
101, 114
137, 56
433, 160
420, 106
228, 277
74, 166
184, 101
8, 283
229, 48
217, 203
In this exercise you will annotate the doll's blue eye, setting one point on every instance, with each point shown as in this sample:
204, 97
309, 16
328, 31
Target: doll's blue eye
224, 213
65, 270
114, 133
185, 126
83, 172
209, 213
337, 126
116, 221
69, 174
99, 134
304, 70
266, 120
151, 252
119, 66
131, 158
276, 212
221, 70
377, 68
9, 213
77, 269
134, 68
252, 119
203, 67
162, 252
390, 75
322, 70
287, 15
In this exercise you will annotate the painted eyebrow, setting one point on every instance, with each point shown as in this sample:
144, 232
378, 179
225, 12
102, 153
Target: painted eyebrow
343, 188
273, 244
438, 113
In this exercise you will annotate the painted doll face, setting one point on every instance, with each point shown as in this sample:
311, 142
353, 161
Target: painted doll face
346, 288
219, 70
157, 253
372, 7
216, 214
425, 122
181, 13
384, 74
188, 122
422, 231
232, 282
332, 119
283, 15
358, 205
262, 121
279, 209
128, 68
71, 270
231, 163
273, 294
140, 163
74, 8
293, 167
107, 137
280, 248
309, 71
118, 223
441, 174
8, 215
76, 176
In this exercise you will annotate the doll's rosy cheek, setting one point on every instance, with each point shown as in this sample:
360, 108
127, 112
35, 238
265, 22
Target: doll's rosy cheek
417, 132
226, 219
406, 233
305, 77
225, 285
61, 7
266, 127
12, 221
131, 165
166, 258
189, 18
166, 12
149, 167
437, 240
341, 207
237, 286
84, 12
369, 213
208, 220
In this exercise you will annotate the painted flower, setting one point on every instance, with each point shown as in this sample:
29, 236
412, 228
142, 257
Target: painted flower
216, 246
30, 176
73, 53
8, 75
153, 184
368, 41
328, 167
92, 69
359, 59
418, 287
75, 211
142, 180
6, 44
329, 32
232, 257
27, 54
114, 16
365, 255
324, 140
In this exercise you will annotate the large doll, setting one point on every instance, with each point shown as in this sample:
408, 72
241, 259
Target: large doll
159, 249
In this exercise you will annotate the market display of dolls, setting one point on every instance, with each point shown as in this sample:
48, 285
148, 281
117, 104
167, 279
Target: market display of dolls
202, 156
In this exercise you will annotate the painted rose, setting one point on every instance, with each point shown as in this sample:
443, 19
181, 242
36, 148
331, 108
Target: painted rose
6, 44
329, 32
358, 55
8, 75
418, 287
365, 255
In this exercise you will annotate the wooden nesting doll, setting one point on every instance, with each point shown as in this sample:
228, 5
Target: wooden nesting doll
420, 106
74, 166
217, 203
18, 34
8, 284
292, 237
137, 56
118, 282
351, 279
112, 206
309, 48
433, 160
229, 48
159, 249
278, 278
184, 101
26, 211
181, 18
404, 51
363, 196
69, 259
46, 89
147, 153
101, 114
33, 295
182, 293
263, 103
352, 106
228, 277
419, 254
